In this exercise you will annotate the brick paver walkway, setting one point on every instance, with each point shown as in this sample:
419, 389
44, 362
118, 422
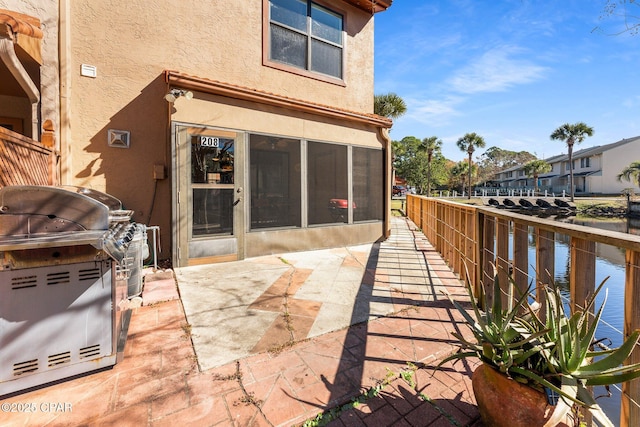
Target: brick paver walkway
386, 365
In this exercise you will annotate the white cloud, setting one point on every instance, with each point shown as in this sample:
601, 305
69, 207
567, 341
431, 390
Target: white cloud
433, 112
631, 102
495, 71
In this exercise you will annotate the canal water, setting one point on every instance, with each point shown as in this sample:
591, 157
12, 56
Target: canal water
610, 265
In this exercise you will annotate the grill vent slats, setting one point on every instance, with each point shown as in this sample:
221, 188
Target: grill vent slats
90, 351
24, 282
25, 367
58, 278
59, 359
92, 274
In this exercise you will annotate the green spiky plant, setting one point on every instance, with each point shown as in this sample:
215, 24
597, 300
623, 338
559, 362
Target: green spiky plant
555, 353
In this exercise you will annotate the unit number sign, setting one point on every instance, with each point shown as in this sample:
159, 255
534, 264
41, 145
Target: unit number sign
209, 141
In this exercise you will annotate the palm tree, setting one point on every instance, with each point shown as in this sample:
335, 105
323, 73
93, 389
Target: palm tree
458, 174
430, 145
533, 169
631, 173
389, 105
572, 134
469, 142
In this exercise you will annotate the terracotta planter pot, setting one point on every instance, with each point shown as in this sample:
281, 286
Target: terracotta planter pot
503, 402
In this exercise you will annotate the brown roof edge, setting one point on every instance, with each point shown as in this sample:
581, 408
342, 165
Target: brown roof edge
21, 23
246, 94
373, 6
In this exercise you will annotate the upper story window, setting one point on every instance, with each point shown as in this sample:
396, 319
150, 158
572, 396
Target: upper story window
307, 36
585, 162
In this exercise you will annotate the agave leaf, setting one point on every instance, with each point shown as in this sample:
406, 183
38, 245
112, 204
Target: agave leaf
518, 306
527, 339
592, 299
480, 320
590, 404
527, 354
575, 359
456, 356
589, 337
626, 373
614, 359
545, 383
470, 320
467, 344
496, 308
569, 387
614, 375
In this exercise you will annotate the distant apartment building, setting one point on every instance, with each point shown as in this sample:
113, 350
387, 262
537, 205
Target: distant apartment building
241, 128
595, 171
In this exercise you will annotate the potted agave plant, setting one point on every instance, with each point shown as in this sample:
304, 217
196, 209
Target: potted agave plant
528, 359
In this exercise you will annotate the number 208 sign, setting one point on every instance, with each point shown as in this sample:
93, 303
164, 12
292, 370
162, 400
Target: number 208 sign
209, 141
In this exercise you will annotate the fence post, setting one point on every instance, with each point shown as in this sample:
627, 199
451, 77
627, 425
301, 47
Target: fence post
488, 256
630, 412
582, 274
521, 255
545, 261
502, 257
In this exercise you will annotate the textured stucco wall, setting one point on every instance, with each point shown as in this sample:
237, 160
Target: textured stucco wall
47, 12
131, 43
270, 120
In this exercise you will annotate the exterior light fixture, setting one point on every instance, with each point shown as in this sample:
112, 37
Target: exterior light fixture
118, 138
177, 93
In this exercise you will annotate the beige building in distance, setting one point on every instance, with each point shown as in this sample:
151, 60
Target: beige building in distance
595, 171
240, 128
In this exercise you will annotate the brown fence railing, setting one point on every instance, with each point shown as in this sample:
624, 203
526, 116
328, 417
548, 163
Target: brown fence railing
24, 161
489, 241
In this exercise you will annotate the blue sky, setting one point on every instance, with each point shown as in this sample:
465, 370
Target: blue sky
510, 70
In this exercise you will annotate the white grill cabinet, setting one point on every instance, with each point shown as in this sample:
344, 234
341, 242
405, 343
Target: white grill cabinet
63, 294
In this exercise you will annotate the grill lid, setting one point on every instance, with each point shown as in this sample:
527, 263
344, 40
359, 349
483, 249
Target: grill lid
67, 208
34, 217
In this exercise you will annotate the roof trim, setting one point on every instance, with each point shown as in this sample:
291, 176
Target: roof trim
21, 23
214, 87
373, 6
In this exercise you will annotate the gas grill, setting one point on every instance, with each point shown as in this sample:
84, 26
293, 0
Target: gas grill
70, 258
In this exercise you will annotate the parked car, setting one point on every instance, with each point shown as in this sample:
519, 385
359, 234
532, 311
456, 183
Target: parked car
399, 190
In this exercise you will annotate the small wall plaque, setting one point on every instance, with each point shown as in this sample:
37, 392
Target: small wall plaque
88, 70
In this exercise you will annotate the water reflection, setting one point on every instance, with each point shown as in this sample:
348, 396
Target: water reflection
610, 265
623, 225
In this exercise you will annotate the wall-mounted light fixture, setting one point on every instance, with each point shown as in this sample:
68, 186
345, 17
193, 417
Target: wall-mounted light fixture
118, 138
177, 93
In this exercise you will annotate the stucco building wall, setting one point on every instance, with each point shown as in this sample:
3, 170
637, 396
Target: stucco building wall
130, 44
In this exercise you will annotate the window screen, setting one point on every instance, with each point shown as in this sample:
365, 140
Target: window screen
368, 182
275, 182
327, 183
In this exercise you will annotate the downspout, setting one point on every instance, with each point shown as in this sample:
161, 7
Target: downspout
8, 55
383, 134
64, 59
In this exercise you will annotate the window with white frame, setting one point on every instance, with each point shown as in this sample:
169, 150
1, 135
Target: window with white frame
307, 36
585, 162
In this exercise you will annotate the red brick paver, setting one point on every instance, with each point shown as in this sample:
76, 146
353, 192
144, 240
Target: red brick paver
159, 384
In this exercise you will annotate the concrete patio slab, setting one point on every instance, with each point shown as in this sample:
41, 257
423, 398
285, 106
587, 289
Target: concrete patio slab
159, 382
